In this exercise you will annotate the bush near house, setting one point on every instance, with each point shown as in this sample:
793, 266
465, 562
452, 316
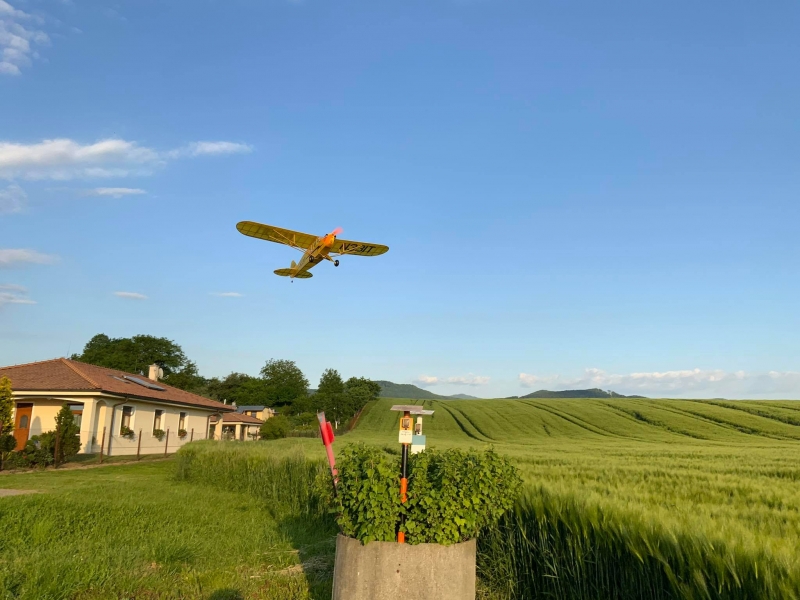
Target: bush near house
275, 428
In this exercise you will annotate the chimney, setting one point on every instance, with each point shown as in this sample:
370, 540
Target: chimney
154, 372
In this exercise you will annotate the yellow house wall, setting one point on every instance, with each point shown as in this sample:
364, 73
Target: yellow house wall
142, 422
103, 412
43, 416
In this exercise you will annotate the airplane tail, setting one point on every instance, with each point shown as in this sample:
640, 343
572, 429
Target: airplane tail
294, 265
291, 273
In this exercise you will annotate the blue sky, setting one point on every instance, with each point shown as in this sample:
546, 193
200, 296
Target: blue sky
575, 194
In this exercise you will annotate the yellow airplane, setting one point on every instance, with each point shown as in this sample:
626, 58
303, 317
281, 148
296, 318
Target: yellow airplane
315, 249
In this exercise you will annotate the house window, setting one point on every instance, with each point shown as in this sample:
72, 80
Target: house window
182, 422
127, 413
157, 420
23, 422
77, 413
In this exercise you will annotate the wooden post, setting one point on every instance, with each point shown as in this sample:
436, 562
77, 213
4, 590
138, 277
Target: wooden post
102, 444
110, 435
139, 445
166, 444
191, 436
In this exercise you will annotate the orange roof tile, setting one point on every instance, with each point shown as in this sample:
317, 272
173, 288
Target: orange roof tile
63, 375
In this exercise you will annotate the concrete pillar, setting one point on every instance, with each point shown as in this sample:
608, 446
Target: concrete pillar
390, 571
87, 425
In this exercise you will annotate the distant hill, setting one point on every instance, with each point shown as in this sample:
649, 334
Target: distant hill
593, 393
407, 390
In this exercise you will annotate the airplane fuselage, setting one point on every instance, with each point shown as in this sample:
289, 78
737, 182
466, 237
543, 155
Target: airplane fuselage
315, 254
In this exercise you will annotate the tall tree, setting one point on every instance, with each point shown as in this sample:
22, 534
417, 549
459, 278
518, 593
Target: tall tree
6, 407
7, 440
241, 388
137, 353
68, 434
361, 390
284, 382
331, 397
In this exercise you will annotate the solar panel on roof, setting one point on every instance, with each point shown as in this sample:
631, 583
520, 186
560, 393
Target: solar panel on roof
144, 383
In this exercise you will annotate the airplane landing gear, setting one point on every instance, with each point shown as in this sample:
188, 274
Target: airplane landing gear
336, 263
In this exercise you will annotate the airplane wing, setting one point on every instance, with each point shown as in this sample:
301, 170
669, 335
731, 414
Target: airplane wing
295, 239
358, 248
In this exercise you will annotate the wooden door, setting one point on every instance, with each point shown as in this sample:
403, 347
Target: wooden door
22, 424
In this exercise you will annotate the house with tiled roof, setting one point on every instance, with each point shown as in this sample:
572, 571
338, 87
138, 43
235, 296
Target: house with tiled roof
117, 412
235, 426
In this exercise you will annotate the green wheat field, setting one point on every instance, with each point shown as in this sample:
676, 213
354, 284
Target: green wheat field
624, 499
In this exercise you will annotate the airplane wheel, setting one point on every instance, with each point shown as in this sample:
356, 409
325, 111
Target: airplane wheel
336, 263
311, 260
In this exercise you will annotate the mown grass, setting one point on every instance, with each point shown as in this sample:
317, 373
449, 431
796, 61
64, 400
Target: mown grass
135, 532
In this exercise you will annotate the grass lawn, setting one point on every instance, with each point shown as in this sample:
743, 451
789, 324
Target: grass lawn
722, 478
132, 531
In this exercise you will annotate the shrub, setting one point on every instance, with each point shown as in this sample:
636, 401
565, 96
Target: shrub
159, 434
39, 451
126, 432
182, 433
275, 428
7, 444
452, 495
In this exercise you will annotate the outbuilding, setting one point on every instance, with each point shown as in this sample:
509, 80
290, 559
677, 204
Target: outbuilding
122, 413
235, 426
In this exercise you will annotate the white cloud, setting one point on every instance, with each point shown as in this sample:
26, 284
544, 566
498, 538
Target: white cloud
17, 41
130, 295
210, 149
115, 192
14, 294
64, 159
227, 294
12, 199
67, 159
12, 257
470, 379
687, 382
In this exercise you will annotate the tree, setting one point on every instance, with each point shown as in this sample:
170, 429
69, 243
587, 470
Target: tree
6, 407
7, 440
330, 396
137, 353
359, 391
241, 388
68, 435
284, 382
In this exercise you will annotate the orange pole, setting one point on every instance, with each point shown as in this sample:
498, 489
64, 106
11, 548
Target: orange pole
401, 536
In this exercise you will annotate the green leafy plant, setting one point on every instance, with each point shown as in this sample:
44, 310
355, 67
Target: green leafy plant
275, 428
126, 432
452, 495
182, 433
367, 502
159, 434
